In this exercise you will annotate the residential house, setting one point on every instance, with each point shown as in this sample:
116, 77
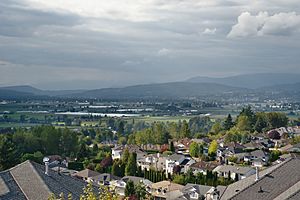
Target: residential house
278, 182
203, 167
155, 161
194, 191
165, 190
104, 179
120, 185
291, 148
117, 151
235, 172
257, 158
253, 145
32, 181
86, 175
172, 161
182, 146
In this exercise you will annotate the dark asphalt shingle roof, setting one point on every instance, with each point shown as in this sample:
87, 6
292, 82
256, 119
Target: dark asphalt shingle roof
29, 181
274, 184
14, 192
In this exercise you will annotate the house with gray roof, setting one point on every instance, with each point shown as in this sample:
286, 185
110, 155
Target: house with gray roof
120, 185
278, 182
28, 181
86, 174
235, 172
104, 179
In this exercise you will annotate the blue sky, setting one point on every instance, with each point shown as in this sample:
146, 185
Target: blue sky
68, 44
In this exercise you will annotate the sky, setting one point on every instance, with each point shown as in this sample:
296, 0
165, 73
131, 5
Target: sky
85, 44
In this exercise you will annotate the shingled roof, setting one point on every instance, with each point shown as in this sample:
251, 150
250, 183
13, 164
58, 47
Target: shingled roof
281, 182
29, 181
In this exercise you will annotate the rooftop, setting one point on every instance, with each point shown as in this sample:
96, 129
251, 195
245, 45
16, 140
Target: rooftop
29, 181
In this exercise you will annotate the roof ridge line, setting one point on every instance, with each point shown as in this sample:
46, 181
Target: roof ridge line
19, 185
20, 164
264, 176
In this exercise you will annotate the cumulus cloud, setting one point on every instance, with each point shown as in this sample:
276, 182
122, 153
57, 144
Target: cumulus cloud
209, 31
265, 24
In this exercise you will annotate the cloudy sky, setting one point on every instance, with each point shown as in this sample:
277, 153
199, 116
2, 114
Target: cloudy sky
67, 44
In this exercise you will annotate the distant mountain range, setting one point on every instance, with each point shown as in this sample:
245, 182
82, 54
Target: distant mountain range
34, 91
251, 81
285, 84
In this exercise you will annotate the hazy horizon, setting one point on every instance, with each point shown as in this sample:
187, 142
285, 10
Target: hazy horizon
93, 44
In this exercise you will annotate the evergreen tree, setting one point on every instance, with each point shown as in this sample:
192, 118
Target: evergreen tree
185, 130
8, 153
228, 123
131, 167
171, 146
194, 149
125, 156
129, 189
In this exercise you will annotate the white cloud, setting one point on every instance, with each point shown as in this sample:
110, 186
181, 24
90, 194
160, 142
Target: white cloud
265, 24
163, 52
131, 63
209, 31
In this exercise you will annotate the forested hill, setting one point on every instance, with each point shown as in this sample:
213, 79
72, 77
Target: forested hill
164, 90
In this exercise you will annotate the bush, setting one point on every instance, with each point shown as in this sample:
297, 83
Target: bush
78, 166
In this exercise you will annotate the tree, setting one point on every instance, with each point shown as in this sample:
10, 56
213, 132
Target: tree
118, 168
216, 128
171, 146
140, 191
129, 189
125, 155
212, 149
194, 149
261, 122
228, 123
277, 120
185, 131
131, 167
244, 123
8, 153
83, 152
179, 179
120, 128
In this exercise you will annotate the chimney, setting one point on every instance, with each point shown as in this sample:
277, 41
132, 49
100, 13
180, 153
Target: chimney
257, 174
47, 168
46, 161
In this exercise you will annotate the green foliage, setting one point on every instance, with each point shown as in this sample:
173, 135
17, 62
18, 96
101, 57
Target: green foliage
171, 147
78, 166
200, 125
118, 168
8, 153
36, 157
216, 128
228, 123
131, 167
232, 159
185, 130
140, 192
212, 149
194, 149
179, 179
274, 155
129, 189
125, 155
244, 123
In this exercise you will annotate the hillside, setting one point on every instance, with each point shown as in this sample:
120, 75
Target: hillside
252, 81
163, 90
